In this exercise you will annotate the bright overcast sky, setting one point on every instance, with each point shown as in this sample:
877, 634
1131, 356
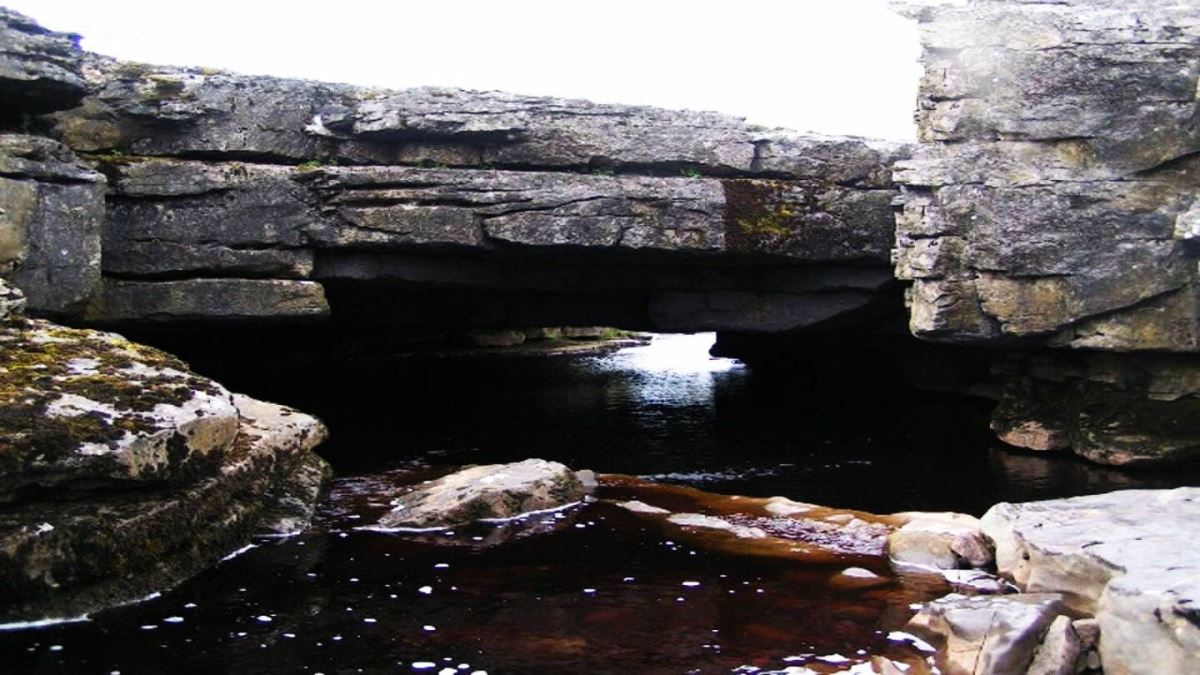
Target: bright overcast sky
836, 67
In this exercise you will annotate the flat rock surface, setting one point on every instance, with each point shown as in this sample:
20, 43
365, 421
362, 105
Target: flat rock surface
74, 553
1122, 556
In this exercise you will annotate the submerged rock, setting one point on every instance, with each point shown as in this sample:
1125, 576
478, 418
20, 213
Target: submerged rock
1122, 557
498, 491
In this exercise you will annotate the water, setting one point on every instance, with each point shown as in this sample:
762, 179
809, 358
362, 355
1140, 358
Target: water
594, 588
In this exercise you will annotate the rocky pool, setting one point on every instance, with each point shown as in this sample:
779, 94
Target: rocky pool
594, 588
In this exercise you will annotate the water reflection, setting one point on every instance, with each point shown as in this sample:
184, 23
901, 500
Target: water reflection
672, 370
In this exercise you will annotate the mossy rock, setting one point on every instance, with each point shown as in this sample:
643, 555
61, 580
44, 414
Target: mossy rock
81, 407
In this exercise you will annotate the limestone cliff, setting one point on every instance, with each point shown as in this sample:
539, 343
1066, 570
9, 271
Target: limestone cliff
1053, 204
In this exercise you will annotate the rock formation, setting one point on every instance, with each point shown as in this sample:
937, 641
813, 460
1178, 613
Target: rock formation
1117, 557
1053, 203
121, 471
240, 198
489, 492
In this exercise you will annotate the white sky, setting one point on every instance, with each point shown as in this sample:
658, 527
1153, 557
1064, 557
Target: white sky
830, 66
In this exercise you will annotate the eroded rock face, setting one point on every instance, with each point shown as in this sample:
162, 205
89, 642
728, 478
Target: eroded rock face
1117, 556
85, 406
40, 70
51, 214
1054, 193
124, 473
1053, 204
1117, 409
492, 491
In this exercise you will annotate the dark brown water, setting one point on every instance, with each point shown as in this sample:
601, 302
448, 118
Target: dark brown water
593, 588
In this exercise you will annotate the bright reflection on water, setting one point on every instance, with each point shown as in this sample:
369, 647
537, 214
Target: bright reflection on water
671, 370
674, 356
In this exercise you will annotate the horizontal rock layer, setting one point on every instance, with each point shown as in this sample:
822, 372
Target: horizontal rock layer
219, 183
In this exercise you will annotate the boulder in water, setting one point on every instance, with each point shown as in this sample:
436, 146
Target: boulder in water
485, 492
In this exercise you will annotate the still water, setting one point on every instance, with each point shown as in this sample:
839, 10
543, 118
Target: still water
591, 589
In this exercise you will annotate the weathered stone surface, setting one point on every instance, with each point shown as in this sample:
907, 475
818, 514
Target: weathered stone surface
481, 492
124, 473
168, 218
940, 540
207, 299
12, 301
301, 475
202, 112
249, 208
511, 230
1110, 408
51, 211
39, 69
1054, 196
1117, 556
89, 407
992, 634
1059, 651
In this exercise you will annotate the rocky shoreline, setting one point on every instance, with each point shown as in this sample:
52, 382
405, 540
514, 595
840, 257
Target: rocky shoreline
1049, 217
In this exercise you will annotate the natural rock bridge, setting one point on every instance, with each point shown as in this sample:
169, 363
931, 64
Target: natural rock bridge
231, 197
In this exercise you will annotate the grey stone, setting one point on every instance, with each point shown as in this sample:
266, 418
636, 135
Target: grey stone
51, 209
208, 299
64, 557
1116, 556
40, 70
1119, 409
12, 302
89, 407
302, 476
987, 634
497, 491
1059, 650
939, 540
196, 111
1052, 200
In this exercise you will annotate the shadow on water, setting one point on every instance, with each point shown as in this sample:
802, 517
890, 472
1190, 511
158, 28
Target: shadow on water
605, 591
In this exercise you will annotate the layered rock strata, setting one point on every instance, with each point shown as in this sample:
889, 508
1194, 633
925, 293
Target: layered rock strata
243, 198
1053, 203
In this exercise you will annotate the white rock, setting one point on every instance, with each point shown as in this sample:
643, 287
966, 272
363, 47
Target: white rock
1123, 557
